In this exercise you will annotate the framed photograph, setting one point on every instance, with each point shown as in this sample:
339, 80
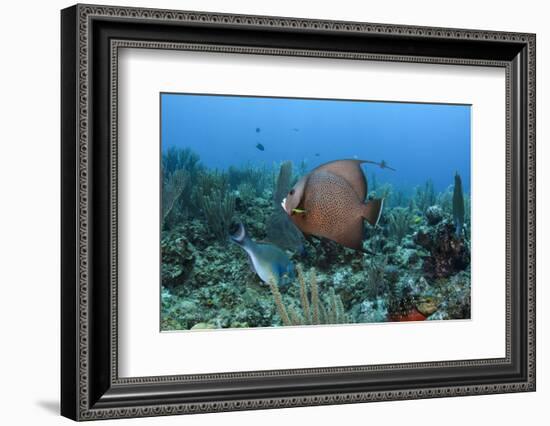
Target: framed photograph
263, 212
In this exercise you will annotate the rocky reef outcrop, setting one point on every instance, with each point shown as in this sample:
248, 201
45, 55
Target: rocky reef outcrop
448, 254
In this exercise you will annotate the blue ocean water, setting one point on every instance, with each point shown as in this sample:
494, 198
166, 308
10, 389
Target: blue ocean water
421, 141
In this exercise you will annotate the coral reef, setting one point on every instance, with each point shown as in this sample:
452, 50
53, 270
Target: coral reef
425, 196
399, 223
181, 159
246, 192
259, 178
175, 189
218, 209
413, 264
178, 260
313, 310
434, 215
449, 254
180, 171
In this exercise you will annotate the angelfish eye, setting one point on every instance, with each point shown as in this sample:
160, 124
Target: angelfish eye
291, 192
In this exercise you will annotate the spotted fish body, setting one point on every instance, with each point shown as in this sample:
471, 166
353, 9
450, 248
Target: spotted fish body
268, 261
329, 202
330, 217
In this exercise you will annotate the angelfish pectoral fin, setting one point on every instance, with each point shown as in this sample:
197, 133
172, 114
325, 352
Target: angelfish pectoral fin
373, 210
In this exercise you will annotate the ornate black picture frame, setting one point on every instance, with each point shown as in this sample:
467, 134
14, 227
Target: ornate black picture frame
91, 36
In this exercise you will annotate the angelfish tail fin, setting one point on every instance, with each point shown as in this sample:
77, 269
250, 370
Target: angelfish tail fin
372, 210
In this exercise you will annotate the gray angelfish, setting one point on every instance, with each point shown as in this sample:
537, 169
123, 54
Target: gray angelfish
268, 261
329, 202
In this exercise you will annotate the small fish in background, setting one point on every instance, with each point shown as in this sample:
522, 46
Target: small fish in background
260, 147
458, 205
317, 154
329, 202
268, 261
258, 130
295, 129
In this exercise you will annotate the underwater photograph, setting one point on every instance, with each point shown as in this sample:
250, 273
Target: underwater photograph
306, 212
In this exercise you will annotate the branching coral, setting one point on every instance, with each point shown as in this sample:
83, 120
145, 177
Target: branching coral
246, 192
376, 283
218, 209
399, 199
384, 191
445, 200
180, 171
312, 309
425, 196
209, 182
181, 159
399, 223
174, 190
257, 177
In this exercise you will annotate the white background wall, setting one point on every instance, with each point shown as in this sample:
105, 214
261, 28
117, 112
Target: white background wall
29, 212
